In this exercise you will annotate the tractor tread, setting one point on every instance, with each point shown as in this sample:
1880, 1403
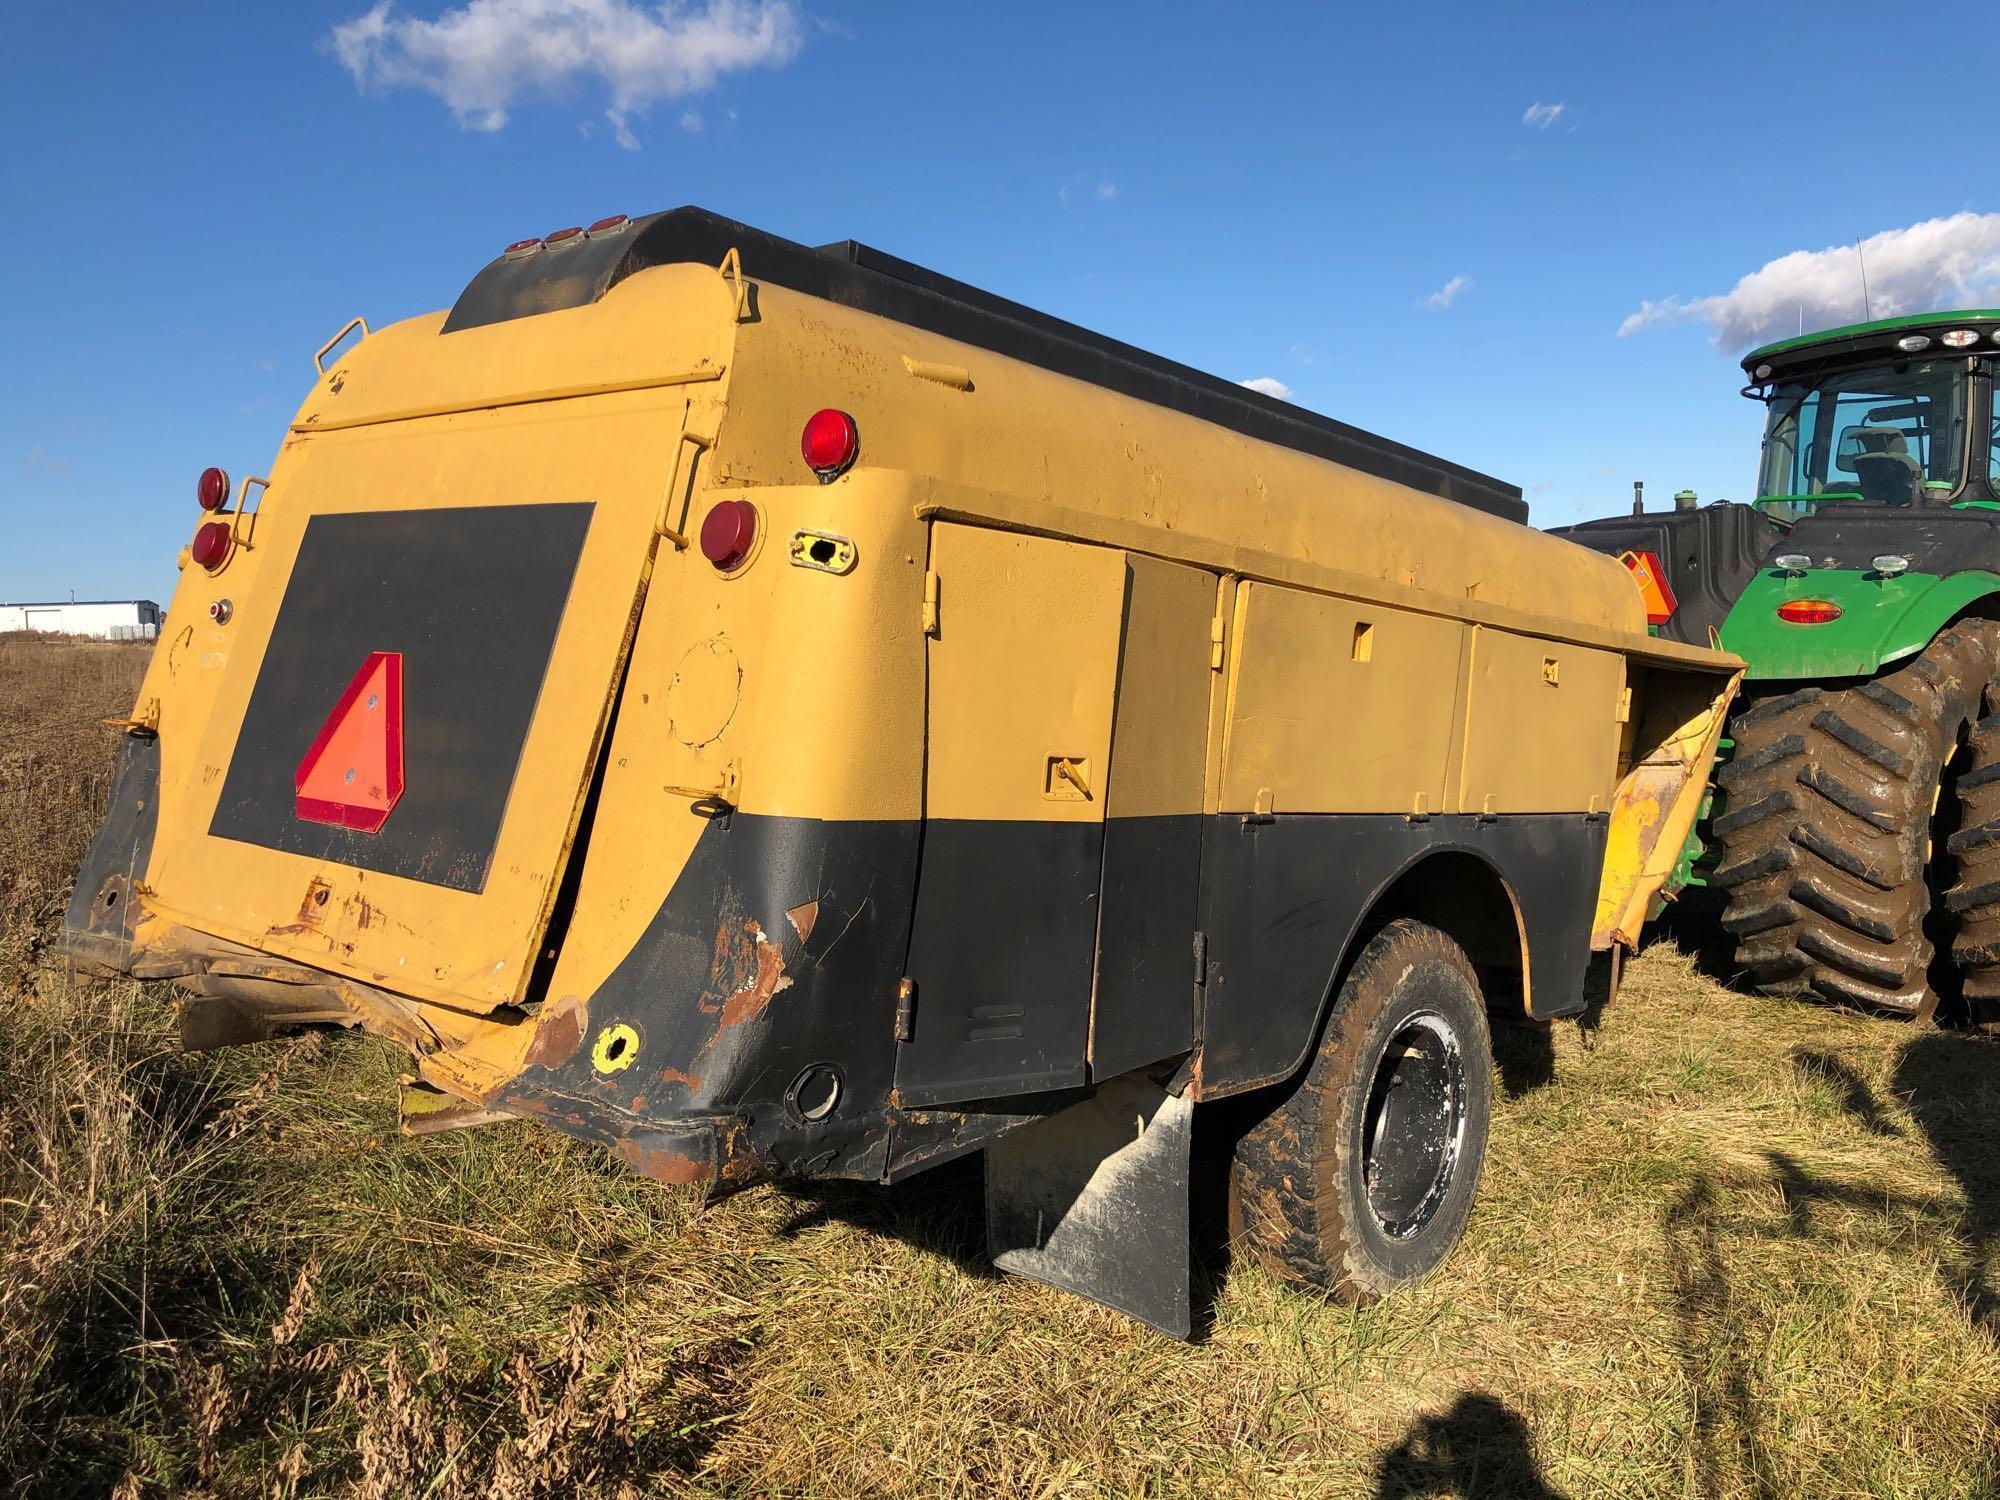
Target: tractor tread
1825, 833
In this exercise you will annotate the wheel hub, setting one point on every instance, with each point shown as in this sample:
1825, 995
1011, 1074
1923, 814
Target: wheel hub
1414, 1128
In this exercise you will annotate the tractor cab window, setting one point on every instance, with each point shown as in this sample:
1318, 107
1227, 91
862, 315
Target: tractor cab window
1888, 435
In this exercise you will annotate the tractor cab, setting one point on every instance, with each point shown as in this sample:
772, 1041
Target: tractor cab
1896, 413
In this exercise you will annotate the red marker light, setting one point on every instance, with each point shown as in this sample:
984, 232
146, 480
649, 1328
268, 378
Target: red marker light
829, 444
608, 223
211, 544
727, 532
1808, 611
563, 236
212, 489
521, 248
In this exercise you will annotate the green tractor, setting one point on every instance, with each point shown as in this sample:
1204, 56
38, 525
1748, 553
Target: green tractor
1854, 831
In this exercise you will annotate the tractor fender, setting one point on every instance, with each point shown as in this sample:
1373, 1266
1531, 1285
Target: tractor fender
1882, 619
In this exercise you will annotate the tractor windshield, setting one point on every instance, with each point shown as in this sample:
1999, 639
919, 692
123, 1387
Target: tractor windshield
1887, 434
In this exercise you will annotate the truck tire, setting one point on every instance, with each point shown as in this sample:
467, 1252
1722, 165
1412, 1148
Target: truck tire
1361, 1174
1827, 830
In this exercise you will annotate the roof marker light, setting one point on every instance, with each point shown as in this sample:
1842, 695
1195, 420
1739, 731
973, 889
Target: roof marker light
1808, 611
1890, 564
1959, 338
609, 224
211, 491
829, 444
1914, 343
520, 249
563, 236
1792, 562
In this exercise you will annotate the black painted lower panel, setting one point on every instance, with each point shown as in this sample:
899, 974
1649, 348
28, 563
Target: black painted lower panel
1283, 899
1001, 951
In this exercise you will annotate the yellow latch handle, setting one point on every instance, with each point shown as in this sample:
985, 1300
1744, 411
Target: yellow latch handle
319, 359
1067, 769
239, 522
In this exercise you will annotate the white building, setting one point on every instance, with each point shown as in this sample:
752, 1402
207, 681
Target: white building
103, 619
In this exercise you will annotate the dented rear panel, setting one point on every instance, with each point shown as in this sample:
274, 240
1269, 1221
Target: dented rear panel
494, 538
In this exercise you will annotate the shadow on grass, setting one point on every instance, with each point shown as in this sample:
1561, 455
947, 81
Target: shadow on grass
1850, 1090
1480, 1447
1948, 1083
1729, 1455
1692, 922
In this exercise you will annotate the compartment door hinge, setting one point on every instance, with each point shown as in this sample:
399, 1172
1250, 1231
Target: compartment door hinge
906, 1010
1200, 960
930, 603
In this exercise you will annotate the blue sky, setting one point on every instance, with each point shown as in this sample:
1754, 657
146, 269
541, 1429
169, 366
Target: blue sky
196, 197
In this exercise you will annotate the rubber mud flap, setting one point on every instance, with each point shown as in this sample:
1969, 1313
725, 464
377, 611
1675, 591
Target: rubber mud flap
97, 929
1094, 1200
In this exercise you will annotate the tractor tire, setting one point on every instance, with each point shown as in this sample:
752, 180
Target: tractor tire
1361, 1174
1974, 897
1833, 797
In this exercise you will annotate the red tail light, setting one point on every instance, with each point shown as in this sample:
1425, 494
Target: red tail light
1808, 611
727, 532
829, 443
211, 544
212, 489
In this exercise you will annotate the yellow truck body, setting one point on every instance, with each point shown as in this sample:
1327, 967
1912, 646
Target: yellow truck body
762, 822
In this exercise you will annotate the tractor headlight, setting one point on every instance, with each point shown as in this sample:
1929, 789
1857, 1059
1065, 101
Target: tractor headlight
1890, 564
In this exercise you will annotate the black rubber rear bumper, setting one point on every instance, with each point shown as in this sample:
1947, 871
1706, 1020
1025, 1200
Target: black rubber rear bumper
97, 930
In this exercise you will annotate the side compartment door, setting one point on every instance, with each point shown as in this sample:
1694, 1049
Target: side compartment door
1144, 1005
1022, 674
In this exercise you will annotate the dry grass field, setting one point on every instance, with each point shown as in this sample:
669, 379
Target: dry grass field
1727, 1246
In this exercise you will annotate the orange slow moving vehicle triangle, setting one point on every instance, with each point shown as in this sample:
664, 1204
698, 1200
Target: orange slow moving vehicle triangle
1653, 586
353, 774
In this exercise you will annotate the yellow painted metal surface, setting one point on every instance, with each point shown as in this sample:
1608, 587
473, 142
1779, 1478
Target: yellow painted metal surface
1673, 742
1159, 736
1541, 726
469, 950
1336, 705
1022, 674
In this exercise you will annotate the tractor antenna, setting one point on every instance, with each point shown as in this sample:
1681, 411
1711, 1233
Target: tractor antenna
1638, 497
1867, 316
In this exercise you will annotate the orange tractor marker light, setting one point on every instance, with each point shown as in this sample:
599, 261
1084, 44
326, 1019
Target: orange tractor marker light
1653, 586
353, 774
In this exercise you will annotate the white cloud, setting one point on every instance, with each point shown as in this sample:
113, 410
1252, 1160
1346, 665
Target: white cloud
1935, 264
1447, 294
1266, 385
691, 120
482, 57
1106, 191
1539, 116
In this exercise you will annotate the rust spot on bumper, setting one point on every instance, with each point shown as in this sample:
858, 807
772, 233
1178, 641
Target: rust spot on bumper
558, 1033
767, 977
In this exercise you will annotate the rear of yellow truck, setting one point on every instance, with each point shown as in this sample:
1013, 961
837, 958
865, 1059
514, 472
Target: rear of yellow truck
569, 703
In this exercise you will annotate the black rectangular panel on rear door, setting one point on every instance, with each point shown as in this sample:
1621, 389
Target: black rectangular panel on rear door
472, 597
